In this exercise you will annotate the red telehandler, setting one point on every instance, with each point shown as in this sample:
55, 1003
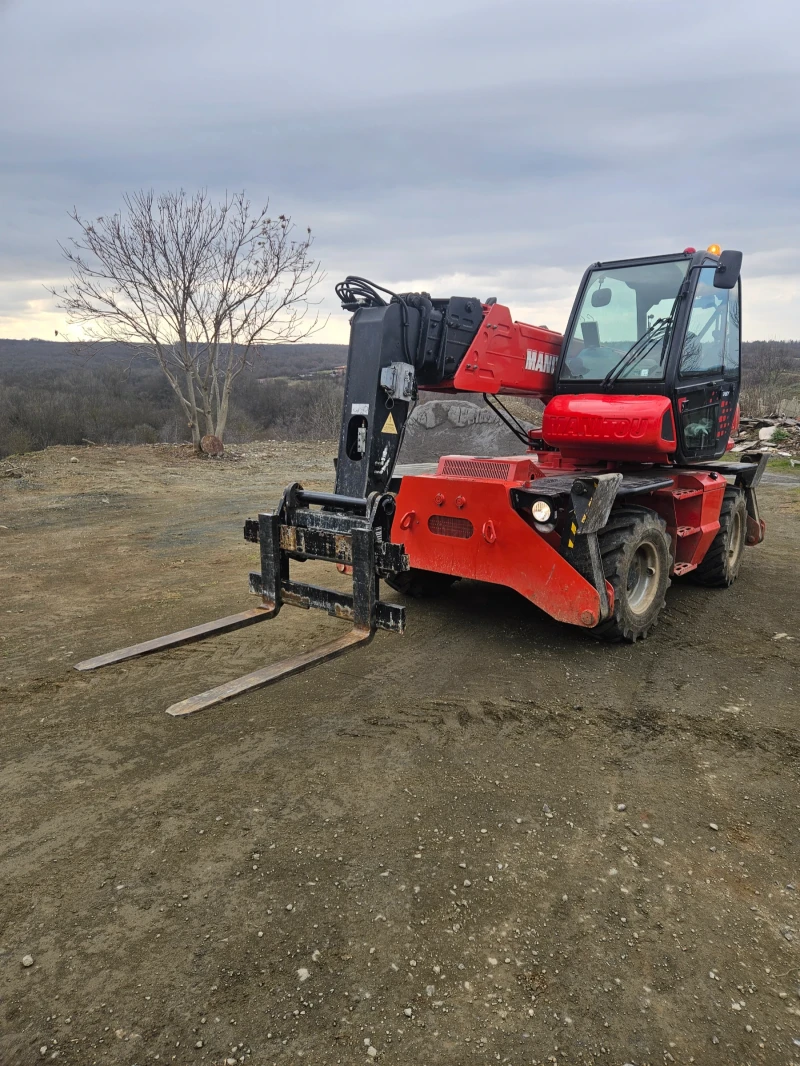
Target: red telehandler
619, 489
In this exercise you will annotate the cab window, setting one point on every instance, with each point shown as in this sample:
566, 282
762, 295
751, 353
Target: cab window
623, 324
709, 335
734, 340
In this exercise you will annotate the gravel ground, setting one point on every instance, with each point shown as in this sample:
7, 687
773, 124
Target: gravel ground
489, 840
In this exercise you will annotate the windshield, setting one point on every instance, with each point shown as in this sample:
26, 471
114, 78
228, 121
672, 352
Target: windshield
623, 326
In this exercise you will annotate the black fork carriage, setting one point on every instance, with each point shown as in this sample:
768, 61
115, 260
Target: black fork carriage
350, 531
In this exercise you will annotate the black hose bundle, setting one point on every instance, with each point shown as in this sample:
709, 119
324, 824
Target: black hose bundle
355, 292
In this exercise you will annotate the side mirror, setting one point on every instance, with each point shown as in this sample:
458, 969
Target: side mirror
727, 273
601, 297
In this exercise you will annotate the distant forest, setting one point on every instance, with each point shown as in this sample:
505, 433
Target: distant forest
57, 393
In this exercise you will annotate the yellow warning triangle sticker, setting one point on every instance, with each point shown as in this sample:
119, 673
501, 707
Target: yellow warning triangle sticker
389, 426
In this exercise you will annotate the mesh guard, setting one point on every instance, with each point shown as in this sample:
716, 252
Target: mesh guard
483, 468
446, 526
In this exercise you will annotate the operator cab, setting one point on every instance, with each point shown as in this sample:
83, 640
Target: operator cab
665, 326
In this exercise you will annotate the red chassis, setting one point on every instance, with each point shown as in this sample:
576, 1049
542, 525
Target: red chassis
461, 521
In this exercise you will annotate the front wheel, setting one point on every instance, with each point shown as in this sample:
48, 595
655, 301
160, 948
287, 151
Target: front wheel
637, 559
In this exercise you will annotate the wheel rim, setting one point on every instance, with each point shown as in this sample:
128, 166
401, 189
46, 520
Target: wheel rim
736, 538
644, 578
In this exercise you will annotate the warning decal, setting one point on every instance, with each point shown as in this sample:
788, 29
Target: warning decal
389, 426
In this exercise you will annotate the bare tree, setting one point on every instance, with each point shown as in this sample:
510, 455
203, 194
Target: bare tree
197, 286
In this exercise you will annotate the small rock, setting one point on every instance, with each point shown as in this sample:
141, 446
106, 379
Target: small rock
198, 1043
74, 459
372, 1052
212, 445
714, 826
303, 973
290, 906
408, 1012
27, 960
622, 806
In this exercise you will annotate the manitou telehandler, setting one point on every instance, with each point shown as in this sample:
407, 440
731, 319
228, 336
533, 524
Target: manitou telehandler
619, 489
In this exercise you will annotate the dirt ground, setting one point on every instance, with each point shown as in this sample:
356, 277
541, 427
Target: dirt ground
488, 840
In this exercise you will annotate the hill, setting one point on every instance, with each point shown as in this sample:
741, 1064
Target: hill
21, 360
59, 393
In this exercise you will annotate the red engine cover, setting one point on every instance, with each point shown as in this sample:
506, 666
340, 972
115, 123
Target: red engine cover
596, 425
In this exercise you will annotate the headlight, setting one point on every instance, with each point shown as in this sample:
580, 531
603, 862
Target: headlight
541, 511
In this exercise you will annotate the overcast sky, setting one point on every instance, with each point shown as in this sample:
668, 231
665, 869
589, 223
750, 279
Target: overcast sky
457, 146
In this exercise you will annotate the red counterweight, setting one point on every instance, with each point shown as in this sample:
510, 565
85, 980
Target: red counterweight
509, 357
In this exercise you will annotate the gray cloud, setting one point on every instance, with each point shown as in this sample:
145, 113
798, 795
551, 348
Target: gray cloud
507, 143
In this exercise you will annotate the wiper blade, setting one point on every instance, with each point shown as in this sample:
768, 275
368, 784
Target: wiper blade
633, 352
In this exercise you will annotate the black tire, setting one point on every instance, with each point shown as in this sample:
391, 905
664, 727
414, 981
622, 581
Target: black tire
637, 559
721, 563
421, 584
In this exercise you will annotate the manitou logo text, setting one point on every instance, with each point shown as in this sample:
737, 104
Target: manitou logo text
545, 364
585, 427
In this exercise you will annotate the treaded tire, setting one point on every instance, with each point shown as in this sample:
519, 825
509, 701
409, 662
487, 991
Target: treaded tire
720, 566
637, 559
421, 584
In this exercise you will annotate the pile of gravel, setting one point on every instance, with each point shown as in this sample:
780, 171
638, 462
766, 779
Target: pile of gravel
456, 427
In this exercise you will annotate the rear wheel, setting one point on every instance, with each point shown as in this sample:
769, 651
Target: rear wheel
637, 559
420, 583
720, 565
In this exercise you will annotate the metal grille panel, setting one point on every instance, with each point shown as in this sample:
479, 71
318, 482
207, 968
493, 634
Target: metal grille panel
445, 526
484, 468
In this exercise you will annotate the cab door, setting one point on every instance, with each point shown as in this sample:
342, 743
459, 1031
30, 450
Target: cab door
707, 384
